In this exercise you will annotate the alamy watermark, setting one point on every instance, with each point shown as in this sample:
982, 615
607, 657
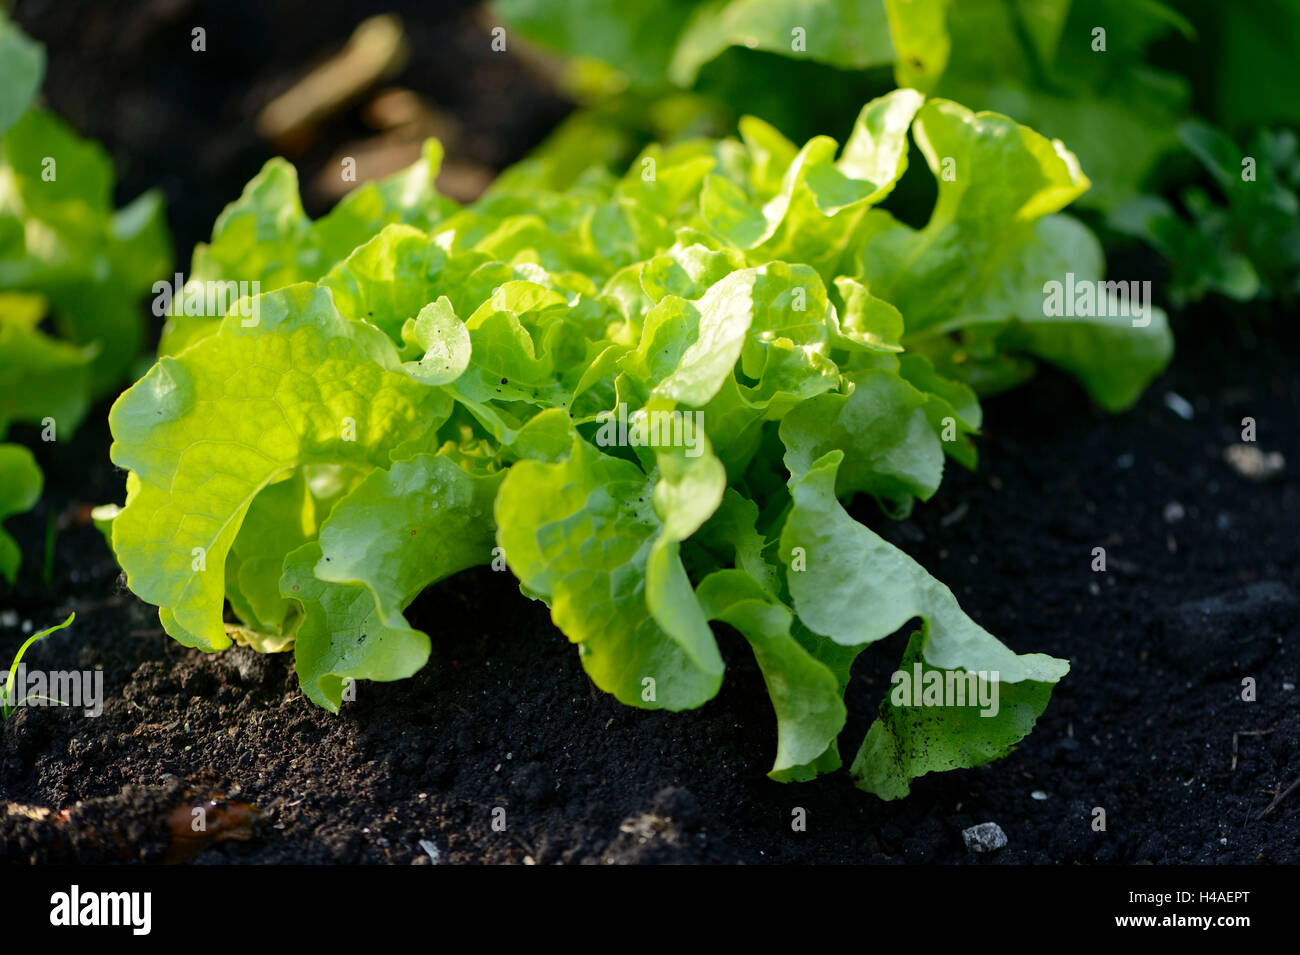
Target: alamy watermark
1087, 298
921, 687
212, 299
133, 910
655, 428
33, 687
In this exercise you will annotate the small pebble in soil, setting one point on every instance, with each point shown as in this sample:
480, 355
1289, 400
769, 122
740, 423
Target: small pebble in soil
1252, 463
431, 850
1039, 794
1174, 512
985, 837
1179, 405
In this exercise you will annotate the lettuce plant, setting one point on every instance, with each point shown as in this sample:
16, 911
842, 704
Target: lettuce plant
1113, 78
73, 272
1245, 245
1043, 63
648, 396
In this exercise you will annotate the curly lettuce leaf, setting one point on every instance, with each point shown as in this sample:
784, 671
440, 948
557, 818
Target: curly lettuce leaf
891, 450
849, 585
398, 531
821, 199
806, 695
594, 536
983, 262
341, 635
407, 527
205, 431
1038, 63
282, 517
265, 237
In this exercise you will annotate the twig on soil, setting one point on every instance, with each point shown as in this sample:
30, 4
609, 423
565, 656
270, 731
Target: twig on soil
139, 824
1273, 805
377, 49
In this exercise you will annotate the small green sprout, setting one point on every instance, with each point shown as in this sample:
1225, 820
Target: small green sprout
6, 707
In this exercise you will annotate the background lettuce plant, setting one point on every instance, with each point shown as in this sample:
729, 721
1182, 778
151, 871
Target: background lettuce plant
1036, 61
73, 271
426, 387
1119, 80
1242, 239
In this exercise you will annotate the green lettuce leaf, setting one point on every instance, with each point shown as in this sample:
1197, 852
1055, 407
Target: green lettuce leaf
852, 587
398, 531
638, 36
853, 34
73, 273
913, 737
22, 64
805, 693
982, 264
205, 431
593, 536
265, 237
40, 376
20, 489
93, 265
341, 636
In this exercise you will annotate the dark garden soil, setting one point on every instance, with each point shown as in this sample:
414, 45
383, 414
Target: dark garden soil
1202, 591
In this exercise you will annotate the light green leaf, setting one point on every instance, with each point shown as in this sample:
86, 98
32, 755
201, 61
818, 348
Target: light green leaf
995, 178
444, 341
918, 30
341, 636
407, 527
22, 64
265, 237
821, 201
913, 737
205, 431
281, 518
857, 588
92, 265
854, 588
805, 693
20, 489
890, 449
41, 377
853, 34
583, 534
1115, 346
